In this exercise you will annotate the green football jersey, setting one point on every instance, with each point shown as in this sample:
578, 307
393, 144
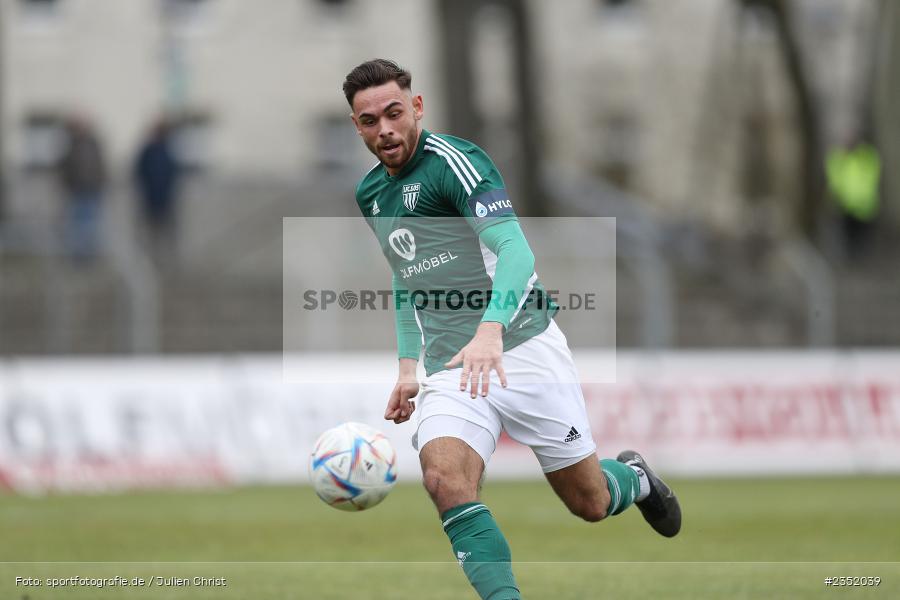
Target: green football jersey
427, 219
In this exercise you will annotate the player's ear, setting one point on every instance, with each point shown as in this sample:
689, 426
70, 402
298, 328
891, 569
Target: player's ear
418, 107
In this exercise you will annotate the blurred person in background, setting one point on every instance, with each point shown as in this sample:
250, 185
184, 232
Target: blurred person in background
83, 178
156, 174
854, 172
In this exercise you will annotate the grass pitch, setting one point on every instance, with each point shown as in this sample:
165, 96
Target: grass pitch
742, 538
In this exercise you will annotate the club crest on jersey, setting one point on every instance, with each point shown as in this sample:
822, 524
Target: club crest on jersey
403, 242
411, 195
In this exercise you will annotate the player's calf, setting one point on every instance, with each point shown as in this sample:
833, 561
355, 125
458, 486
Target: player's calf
591, 509
582, 488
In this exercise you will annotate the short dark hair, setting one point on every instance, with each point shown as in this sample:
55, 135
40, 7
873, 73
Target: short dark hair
375, 72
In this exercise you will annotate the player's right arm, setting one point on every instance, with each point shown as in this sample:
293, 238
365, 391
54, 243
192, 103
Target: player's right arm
409, 345
409, 337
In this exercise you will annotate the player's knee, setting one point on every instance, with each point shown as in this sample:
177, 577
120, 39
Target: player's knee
442, 482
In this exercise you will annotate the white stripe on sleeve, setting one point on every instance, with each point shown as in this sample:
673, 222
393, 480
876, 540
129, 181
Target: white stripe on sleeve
460, 156
528, 289
450, 162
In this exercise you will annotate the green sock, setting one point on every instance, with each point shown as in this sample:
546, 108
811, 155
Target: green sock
623, 483
481, 551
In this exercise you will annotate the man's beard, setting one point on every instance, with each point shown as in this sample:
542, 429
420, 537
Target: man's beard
406, 150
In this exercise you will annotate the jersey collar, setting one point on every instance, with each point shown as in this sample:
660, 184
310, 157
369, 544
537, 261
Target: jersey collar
411, 163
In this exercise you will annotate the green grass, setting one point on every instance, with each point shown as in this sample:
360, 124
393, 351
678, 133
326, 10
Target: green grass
741, 539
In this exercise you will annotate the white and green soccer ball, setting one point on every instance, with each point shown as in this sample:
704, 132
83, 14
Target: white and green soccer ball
353, 467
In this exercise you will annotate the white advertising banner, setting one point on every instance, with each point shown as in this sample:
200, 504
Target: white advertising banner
120, 423
754, 413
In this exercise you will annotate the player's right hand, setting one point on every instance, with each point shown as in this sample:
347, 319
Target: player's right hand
400, 406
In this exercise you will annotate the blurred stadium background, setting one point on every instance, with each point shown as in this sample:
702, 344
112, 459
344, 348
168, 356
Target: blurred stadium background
749, 151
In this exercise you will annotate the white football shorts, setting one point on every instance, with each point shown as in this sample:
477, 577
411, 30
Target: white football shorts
543, 407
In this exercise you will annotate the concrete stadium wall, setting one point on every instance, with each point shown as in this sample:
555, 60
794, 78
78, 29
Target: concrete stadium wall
108, 424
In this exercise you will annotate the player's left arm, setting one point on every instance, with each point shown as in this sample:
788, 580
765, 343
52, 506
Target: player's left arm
474, 185
513, 278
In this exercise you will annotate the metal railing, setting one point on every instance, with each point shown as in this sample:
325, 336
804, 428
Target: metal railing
637, 245
639, 248
138, 289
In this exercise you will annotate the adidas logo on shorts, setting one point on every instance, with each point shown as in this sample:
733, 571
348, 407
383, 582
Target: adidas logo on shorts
573, 435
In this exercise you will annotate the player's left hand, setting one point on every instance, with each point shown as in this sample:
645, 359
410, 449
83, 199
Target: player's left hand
481, 355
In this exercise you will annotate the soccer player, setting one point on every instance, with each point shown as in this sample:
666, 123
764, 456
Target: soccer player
494, 361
